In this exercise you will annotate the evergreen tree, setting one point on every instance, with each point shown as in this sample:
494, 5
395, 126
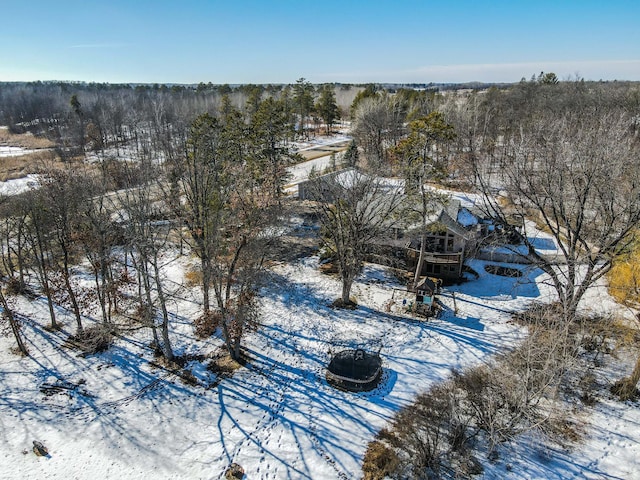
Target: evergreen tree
327, 107
351, 155
303, 100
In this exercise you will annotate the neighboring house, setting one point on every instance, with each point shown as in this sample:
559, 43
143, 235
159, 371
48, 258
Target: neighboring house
316, 189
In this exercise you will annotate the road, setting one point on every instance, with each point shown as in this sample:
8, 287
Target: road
318, 158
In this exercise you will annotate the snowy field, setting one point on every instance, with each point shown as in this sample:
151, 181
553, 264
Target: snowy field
18, 185
278, 418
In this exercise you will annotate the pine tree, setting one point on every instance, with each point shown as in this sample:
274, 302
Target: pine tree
327, 107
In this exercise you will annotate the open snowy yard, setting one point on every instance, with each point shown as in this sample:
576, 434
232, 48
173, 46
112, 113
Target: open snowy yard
278, 418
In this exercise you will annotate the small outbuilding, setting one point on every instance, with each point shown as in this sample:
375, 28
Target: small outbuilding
355, 370
426, 290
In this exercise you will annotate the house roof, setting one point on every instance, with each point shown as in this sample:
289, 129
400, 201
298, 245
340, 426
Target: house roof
426, 284
448, 221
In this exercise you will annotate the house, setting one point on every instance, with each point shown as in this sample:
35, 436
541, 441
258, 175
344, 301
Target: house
453, 232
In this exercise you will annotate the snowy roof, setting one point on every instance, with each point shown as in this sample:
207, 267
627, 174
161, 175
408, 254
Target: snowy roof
466, 218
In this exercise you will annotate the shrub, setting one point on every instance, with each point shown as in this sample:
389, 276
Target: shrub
223, 365
94, 339
379, 461
423, 430
440, 433
15, 287
206, 324
193, 278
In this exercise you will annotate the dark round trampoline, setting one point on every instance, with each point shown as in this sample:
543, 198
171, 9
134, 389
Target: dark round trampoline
354, 370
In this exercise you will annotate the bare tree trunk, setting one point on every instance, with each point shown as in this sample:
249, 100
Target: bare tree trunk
101, 292
43, 273
72, 295
147, 307
15, 329
205, 266
347, 283
164, 330
236, 346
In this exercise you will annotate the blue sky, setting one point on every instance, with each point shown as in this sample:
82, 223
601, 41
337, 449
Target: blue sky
246, 41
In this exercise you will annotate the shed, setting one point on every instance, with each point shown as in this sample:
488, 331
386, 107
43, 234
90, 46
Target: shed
426, 291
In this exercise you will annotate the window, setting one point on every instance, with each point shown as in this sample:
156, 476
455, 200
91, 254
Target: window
449, 244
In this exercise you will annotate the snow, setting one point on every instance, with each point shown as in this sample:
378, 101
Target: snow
301, 171
466, 218
467, 200
320, 141
6, 151
278, 418
19, 185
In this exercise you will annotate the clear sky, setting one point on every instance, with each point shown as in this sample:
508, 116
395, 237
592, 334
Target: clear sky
279, 41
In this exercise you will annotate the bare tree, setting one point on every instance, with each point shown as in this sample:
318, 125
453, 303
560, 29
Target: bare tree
248, 232
378, 124
202, 181
577, 176
97, 234
65, 191
355, 209
144, 211
13, 245
39, 233
7, 312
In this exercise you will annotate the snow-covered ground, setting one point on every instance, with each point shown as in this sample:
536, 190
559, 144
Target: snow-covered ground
19, 185
124, 418
6, 151
278, 417
301, 171
321, 141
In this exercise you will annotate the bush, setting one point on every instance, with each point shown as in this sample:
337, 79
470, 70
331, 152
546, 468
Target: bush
224, 366
423, 430
15, 287
206, 324
379, 461
94, 339
193, 278
478, 408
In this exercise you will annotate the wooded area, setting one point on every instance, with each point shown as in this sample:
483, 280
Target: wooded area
136, 174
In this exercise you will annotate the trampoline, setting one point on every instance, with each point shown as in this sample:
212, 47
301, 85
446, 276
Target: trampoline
354, 370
